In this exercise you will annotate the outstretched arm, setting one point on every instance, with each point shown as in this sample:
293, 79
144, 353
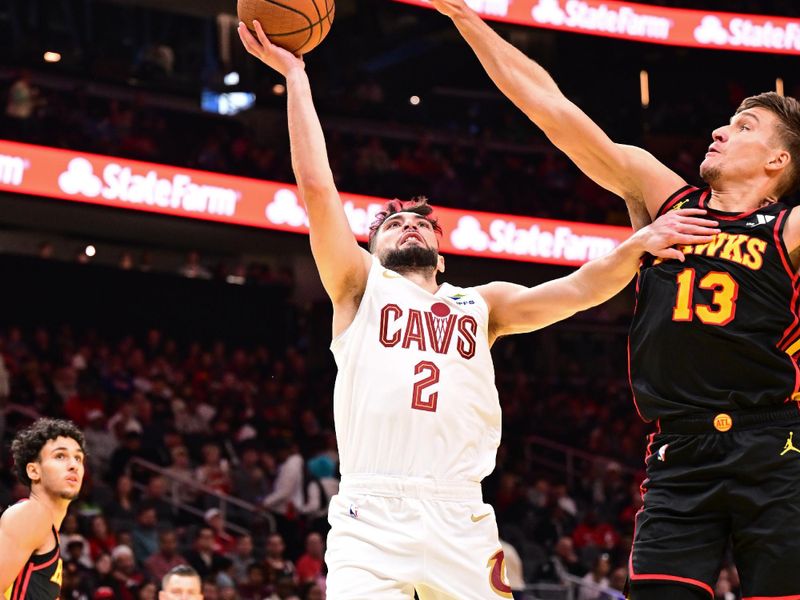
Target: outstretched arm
628, 171
343, 265
518, 309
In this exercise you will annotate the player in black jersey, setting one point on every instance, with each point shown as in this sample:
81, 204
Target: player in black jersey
48, 457
714, 340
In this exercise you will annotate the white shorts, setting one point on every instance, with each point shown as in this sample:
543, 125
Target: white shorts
391, 536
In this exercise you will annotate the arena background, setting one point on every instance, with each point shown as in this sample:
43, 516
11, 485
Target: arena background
200, 348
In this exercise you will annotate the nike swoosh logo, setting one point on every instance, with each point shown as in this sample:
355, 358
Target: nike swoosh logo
479, 518
391, 275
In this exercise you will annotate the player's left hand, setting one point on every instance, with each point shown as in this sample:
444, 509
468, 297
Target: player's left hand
681, 227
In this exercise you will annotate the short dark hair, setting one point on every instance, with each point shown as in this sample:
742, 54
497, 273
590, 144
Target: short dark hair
29, 442
179, 571
417, 205
787, 110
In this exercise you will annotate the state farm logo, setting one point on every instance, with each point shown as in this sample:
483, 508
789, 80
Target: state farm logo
121, 183
578, 14
504, 237
12, 169
286, 209
748, 34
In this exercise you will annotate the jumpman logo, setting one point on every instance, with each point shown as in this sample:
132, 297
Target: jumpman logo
790, 445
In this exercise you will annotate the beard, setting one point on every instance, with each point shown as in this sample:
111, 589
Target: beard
410, 259
710, 175
69, 495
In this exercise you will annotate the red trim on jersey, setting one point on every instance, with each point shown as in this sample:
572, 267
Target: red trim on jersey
687, 580
18, 582
48, 563
23, 590
782, 251
724, 217
676, 197
630, 380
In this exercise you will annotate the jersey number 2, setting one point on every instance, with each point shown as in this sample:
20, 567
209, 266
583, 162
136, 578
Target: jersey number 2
420, 400
723, 304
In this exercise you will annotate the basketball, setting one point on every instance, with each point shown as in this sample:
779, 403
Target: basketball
297, 25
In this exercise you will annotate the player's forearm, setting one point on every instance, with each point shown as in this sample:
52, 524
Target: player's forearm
309, 155
521, 79
603, 278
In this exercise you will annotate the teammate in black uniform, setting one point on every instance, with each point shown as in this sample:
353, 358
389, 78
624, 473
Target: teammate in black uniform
48, 457
713, 341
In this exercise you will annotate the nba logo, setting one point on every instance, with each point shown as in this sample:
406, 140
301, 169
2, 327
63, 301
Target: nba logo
354, 511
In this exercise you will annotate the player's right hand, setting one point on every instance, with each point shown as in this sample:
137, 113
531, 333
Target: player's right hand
271, 55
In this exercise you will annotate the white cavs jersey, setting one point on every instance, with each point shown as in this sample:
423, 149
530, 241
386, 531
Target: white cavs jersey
415, 394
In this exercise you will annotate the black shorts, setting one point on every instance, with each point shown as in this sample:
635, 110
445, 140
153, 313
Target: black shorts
705, 488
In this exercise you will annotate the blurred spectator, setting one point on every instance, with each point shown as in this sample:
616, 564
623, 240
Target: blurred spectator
287, 495
125, 572
100, 442
214, 471
193, 268
101, 540
278, 566
596, 579
242, 557
320, 488
310, 564
285, 589
155, 495
144, 533
23, 100
166, 558
562, 563
203, 558
255, 585
121, 510
223, 541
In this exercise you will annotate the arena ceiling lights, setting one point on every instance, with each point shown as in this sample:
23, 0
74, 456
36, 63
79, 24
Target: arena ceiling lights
646, 23
190, 194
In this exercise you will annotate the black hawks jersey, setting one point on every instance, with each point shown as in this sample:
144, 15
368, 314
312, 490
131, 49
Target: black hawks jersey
717, 332
40, 578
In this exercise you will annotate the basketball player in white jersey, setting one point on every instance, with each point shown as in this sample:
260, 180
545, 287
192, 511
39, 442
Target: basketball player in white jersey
416, 410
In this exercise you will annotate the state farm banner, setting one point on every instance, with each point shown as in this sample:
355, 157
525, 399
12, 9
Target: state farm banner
187, 193
646, 23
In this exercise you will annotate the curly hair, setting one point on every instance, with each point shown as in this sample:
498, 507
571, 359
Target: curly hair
417, 205
29, 442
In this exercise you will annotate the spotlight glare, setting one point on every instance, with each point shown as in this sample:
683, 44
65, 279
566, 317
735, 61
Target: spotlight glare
414, 100
231, 78
279, 89
52, 57
90, 251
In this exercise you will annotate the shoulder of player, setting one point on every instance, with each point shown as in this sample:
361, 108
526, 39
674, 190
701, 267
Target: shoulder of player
497, 292
30, 522
654, 181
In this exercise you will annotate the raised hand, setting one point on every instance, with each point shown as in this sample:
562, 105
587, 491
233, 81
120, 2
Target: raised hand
678, 227
271, 55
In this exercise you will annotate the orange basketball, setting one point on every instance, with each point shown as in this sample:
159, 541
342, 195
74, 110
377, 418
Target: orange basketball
297, 25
